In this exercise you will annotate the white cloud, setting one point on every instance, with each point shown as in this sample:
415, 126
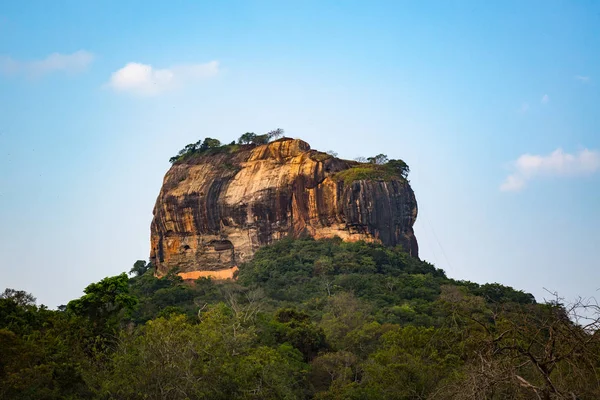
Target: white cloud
512, 183
143, 79
70, 63
557, 163
545, 99
583, 79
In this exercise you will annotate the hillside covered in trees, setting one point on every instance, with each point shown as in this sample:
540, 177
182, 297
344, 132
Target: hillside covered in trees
306, 319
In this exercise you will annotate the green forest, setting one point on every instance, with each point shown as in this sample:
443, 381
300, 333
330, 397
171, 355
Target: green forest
305, 319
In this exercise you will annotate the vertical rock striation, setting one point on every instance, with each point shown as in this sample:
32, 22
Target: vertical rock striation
217, 208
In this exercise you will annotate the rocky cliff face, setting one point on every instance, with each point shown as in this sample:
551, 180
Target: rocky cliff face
217, 208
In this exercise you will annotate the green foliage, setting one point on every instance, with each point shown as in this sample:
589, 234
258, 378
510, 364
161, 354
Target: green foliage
296, 328
157, 294
306, 271
372, 172
412, 362
377, 168
253, 138
247, 138
105, 301
172, 358
214, 146
261, 139
209, 143
41, 353
399, 167
200, 147
497, 293
20, 297
379, 159
140, 267
307, 319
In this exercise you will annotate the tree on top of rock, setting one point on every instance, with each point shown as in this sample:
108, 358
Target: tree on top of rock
253, 138
247, 138
379, 159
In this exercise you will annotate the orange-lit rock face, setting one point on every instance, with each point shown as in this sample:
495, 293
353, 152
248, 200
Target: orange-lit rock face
221, 275
215, 210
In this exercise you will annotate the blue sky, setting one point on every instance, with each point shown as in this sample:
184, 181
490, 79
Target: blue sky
494, 105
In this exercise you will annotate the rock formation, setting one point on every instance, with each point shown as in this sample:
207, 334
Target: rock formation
215, 209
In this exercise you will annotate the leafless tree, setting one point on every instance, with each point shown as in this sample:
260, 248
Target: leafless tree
549, 351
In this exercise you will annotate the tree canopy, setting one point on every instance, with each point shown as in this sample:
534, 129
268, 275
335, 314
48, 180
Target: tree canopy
195, 148
253, 138
306, 319
378, 167
211, 144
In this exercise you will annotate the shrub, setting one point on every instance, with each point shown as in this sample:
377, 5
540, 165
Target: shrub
374, 171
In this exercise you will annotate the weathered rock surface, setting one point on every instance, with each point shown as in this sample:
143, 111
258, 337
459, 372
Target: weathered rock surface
215, 210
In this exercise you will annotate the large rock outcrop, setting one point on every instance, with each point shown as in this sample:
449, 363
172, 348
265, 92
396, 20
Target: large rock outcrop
217, 208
